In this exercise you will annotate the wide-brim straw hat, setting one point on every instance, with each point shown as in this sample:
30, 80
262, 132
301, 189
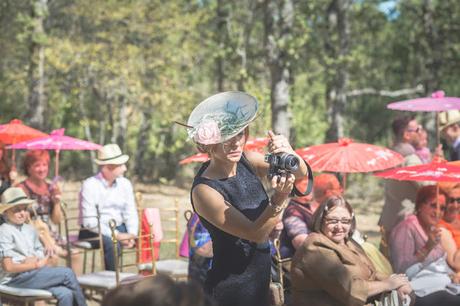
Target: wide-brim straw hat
12, 197
448, 118
221, 117
111, 154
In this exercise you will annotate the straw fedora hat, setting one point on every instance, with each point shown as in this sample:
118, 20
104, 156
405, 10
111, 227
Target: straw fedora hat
221, 117
12, 197
111, 154
448, 118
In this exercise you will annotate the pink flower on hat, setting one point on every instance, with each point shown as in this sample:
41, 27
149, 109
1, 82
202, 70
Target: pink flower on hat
207, 132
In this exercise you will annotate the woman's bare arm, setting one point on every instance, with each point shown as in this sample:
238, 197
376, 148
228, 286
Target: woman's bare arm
212, 206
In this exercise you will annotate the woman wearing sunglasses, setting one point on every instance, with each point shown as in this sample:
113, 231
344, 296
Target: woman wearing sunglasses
330, 268
416, 250
450, 239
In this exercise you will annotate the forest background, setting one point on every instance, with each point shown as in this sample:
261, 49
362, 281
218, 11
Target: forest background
124, 70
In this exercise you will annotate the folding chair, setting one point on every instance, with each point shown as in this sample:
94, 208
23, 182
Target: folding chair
22, 296
96, 284
85, 246
175, 267
283, 266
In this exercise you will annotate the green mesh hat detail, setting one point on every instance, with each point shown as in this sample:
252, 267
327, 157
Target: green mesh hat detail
221, 117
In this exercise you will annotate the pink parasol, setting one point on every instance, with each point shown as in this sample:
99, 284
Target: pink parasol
253, 144
56, 141
436, 103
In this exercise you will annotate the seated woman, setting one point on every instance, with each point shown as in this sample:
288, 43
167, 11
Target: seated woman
23, 262
298, 216
450, 240
46, 213
415, 250
331, 269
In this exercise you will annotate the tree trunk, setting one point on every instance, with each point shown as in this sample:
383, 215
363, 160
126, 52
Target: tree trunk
279, 20
337, 16
222, 16
36, 73
143, 143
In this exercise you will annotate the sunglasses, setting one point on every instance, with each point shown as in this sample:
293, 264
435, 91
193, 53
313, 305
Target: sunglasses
416, 130
441, 207
334, 221
452, 200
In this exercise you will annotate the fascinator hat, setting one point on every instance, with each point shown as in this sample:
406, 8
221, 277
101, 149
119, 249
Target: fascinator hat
221, 117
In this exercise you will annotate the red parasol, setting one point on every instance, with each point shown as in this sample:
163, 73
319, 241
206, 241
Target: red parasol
56, 141
15, 131
198, 158
347, 156
437, 170
254, 144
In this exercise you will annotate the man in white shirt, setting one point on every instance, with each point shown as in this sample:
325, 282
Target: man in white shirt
113, 195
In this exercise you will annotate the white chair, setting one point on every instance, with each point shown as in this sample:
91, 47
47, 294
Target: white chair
23, 296
176, 267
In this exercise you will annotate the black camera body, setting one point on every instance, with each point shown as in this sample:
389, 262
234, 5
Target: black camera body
281, 163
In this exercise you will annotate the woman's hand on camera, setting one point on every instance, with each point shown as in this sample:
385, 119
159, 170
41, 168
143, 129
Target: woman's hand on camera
279, 144
283, 184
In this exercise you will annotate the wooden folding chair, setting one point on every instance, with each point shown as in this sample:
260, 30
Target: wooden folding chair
176, 267
96, 284
283, 265
88, 246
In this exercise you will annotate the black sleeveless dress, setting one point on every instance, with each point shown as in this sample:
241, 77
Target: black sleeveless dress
240, 272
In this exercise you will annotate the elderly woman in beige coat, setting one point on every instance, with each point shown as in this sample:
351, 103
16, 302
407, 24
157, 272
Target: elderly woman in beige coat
331, 269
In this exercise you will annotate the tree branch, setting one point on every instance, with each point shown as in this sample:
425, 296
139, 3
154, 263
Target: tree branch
386, 93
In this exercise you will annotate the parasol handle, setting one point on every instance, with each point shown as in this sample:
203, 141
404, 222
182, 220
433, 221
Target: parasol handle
437, 129
56, 164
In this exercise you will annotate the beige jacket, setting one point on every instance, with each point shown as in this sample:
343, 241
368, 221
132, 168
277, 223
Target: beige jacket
327, 274
399, 196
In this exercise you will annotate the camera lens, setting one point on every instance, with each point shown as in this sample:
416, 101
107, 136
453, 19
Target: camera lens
291, 162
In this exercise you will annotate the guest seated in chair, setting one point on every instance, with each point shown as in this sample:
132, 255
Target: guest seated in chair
45, 214
200, 250
416, 250
330, 268
114, 196
23, 260
450, 239
298, 216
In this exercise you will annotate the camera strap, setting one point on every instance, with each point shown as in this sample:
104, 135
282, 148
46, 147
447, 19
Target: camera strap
296, 192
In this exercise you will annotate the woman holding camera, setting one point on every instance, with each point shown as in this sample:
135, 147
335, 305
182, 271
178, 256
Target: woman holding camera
229, 197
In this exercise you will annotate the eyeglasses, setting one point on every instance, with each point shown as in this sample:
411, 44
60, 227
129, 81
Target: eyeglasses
452, 200
441, 207
334, 221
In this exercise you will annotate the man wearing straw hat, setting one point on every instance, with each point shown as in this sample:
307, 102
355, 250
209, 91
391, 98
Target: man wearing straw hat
114, 196
22, 257
450, 131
